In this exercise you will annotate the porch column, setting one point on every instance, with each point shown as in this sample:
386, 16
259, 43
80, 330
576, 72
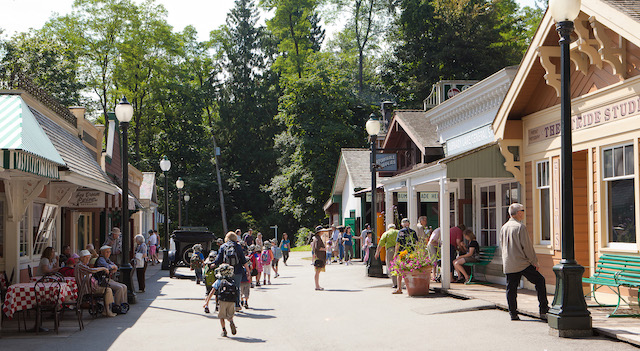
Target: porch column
388, 208
444, 234
412, 207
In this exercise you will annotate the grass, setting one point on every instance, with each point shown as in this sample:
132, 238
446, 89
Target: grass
302, 248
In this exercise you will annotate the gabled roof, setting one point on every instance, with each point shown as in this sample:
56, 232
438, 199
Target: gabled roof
620, 16
355, 164
415, 123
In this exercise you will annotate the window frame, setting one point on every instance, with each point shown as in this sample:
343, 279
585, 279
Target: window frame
539, 188
605, 194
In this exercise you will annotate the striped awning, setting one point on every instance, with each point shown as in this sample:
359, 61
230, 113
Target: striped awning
24, 144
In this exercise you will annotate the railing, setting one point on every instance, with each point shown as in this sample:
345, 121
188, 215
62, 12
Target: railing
22, 82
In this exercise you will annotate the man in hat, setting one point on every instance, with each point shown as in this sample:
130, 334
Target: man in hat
114, 239
119, 289
519, 259
83, 270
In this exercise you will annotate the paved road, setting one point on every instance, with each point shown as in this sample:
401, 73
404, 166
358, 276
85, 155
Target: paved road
353, 313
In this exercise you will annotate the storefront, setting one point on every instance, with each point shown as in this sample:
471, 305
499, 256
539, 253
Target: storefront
606, 131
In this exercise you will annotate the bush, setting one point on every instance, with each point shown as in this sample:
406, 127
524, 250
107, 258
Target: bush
302, 236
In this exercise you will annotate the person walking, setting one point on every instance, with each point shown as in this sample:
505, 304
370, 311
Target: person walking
231, 253
388, 242
366, 245
141, 261
341, 243
519, 259
347, 239
153, 247
266, 257
227, 294
285, 246
247, 237
259, 241
363, 237
277, 255
406, 240
196, 262
319, 253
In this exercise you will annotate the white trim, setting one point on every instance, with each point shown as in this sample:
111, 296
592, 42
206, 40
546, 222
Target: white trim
88, 182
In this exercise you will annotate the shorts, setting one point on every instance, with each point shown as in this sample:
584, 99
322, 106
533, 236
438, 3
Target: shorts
320, 269
245, 289
226, 310
275, 262
152, 250
470, 259
266, 269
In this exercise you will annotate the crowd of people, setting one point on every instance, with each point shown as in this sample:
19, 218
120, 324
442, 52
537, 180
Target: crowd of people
241, 263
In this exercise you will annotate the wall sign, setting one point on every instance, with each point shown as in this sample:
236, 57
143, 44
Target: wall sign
402, 197
386, 162
87, 199
623, 109
429, 196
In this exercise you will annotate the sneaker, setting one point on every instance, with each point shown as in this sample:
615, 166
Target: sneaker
206, 309
224, 333
238, 308
514, 317
233, 328
246, 305
269, 282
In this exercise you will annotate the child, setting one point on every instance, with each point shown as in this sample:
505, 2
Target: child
197, 260
256, 262
266, 257
226, 293
329, 251
245, 290
209, 272
69, 268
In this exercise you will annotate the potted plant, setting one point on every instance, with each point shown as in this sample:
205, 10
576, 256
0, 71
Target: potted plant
415, 266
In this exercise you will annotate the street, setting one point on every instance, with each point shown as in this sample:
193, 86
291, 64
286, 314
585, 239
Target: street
353, 312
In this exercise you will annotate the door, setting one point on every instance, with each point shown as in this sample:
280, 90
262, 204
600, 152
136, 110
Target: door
83, 228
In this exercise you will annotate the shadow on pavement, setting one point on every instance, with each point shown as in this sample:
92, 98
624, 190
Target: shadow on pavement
244, 314
343, 290
261, 309
247, 340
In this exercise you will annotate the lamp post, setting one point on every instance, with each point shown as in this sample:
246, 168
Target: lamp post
179, 185
124, 113
374, 266
165, 166
186, 205
568, 315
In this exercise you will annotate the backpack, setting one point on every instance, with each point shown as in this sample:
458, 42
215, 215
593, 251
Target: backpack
196, 262
265, 257
230, 254
277, 254
227, 291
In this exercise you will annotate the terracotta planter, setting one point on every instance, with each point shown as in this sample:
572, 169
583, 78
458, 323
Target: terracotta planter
418, 282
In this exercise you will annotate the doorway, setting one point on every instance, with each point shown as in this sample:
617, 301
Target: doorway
83, 225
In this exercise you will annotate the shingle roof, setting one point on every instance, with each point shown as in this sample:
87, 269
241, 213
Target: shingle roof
357, 162
418, 127
629, 7
73, 152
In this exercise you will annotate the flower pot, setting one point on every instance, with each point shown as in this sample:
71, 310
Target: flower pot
418, 282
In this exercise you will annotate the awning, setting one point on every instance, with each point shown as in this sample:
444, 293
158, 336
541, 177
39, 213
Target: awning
24, 144
483, 162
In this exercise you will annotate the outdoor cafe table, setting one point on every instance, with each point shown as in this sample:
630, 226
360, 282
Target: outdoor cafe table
71, 281
22, 296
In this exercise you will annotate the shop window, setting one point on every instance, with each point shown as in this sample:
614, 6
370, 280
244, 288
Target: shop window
618, 171
543, 188
488, 228
24, 234
46, 224
1, 228
510, 195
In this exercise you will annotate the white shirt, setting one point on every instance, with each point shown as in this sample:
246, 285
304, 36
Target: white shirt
153, 239
434, 239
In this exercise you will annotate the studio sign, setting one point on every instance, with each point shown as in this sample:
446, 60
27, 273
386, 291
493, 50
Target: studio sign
605, 114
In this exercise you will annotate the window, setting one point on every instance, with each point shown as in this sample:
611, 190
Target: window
488, 227
1, 228
46, 224
24, 234
618, 171
510, 195
543, 188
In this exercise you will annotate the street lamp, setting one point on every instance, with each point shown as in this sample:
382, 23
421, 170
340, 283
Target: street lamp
124, 113
568, 313
186, 205
374, 266
179, 185
165, 166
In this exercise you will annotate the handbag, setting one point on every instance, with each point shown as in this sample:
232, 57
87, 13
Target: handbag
318, 263
139, 260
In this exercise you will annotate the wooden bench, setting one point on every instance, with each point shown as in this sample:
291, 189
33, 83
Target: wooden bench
613, 272
486, 255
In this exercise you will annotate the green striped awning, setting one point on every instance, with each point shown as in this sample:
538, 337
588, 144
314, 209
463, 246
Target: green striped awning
24, 144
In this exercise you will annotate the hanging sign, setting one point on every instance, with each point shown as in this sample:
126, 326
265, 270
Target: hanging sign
386, 162
429, 196
87, 199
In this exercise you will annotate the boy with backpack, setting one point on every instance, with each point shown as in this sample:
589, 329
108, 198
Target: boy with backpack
256, 263
197, 261
227, 293
266, 257
277, 255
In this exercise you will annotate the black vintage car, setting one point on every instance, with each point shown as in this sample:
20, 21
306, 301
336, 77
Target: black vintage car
182, 242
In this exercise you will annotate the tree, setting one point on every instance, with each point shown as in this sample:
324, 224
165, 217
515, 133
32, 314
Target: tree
452, 39
296, 25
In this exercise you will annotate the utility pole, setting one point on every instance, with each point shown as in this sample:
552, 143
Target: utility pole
223, 213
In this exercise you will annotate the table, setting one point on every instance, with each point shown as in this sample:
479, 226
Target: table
71, 281
22, 296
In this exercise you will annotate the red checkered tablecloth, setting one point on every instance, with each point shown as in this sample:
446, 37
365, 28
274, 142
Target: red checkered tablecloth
71, 281
22, 296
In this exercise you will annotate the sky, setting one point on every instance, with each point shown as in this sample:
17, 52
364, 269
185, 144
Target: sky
204, 15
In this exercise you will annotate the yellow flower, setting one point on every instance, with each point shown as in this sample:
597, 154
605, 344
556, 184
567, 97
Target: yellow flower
403, 254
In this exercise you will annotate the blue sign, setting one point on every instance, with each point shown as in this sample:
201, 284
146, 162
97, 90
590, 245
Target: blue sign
386, 162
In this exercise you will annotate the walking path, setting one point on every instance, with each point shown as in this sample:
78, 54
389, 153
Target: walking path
354, 312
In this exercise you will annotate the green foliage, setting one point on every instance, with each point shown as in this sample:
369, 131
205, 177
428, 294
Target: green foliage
302, 237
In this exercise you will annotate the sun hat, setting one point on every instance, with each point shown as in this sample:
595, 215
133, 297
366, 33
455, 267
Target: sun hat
224, 271
105, 247
319, 228
115, 230
85, 253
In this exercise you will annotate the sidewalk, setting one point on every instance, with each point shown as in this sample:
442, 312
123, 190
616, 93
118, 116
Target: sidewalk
625, 329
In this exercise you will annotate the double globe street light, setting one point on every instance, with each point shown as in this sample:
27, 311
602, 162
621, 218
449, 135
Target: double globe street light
186, 205
374, 266
568, 315
124, 113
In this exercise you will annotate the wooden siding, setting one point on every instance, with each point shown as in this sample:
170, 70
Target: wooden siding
528, 193
581, 209
596, 204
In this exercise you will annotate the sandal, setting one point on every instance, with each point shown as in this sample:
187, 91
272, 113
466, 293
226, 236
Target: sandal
319, 289
397, 292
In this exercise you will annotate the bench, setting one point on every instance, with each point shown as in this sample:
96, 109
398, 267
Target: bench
486, 255
613, 272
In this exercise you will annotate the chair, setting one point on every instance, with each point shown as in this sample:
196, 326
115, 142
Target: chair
48, 290
30, 271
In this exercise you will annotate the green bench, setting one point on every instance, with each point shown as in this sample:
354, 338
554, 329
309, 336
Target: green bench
613, 272
486, 255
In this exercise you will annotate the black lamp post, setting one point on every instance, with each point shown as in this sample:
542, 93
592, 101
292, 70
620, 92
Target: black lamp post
179, 185
374, 266
568, 315
186, 209
165, 166
124, 113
